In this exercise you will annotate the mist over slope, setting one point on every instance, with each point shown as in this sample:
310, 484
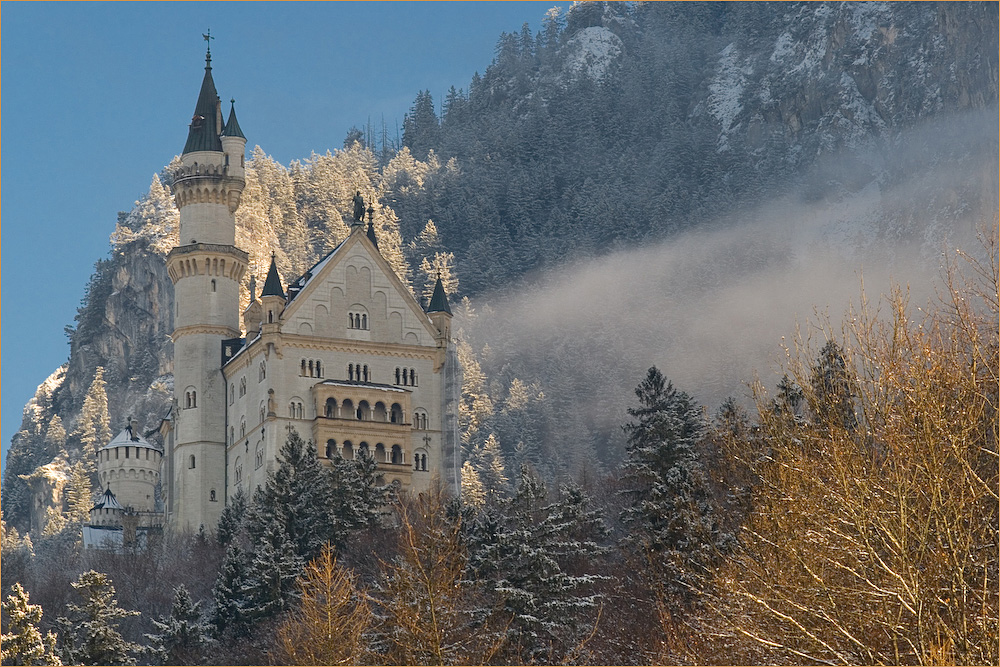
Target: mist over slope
668, 183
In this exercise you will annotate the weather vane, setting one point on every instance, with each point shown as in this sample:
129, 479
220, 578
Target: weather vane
208, 36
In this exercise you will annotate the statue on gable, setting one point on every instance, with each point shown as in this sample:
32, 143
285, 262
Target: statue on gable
359, 208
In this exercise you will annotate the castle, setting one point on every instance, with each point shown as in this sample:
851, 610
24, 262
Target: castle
343, 354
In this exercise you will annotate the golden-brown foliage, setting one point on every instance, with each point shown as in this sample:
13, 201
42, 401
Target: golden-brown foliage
877, 542
329, 626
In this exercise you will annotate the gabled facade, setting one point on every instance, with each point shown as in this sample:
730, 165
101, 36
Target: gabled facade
344, 355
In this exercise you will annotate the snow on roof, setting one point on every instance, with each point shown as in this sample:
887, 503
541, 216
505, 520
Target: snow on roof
108, 502
129, 438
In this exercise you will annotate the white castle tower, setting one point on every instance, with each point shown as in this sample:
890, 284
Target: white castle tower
205, 269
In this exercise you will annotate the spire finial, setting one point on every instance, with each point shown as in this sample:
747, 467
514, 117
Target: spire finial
208, 48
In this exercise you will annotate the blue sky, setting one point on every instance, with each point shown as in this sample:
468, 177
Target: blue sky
96, 98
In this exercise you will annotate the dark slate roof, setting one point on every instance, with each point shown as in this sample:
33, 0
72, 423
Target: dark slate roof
371, 235
439, 300
203, 135
272, 285
232, 128
108, 502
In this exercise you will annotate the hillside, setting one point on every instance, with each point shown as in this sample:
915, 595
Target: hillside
621, 136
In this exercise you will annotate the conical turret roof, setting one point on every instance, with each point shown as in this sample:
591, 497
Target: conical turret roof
272, 284
203, 133
232, 128
439, 300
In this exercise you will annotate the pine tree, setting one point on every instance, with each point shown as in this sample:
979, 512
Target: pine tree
55, 437
833, 389
269, 587
299, 496
93, 427
473, 493
420, 126
229, 615
670, 516
359, 494
79, 494
90, 633
183, 636
231, 520
487, 460
539, 559
24, 643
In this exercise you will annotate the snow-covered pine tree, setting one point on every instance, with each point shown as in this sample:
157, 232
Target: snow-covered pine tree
539, 558
473, 493
299, 496
232, 518
359, 496
93, 427
24, 643
833, 389
89, 634
270, 587
671, 519
229, 615
182, 637
487, 460
55, 436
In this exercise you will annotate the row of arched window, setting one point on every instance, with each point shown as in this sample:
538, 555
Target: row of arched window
406, 377
311, 368
358, 373
381, 454
363, 411
357, 320
295, 409
190, 398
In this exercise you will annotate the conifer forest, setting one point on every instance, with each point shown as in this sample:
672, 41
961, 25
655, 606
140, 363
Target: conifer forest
693, 432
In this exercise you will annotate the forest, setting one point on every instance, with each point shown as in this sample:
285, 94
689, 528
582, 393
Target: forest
693, 433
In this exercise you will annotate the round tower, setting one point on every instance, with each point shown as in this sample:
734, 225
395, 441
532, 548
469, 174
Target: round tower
205, 269
129, 467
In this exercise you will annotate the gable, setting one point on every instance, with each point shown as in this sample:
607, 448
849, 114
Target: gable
355, 280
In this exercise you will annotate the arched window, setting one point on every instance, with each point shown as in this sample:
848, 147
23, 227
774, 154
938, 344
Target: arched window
243, 427
397, 455
413, 378
396, 414
238, 470
350, 372
331, 448
379, 413
261, 372
262, 413
364, 320
367, 379
348, 450
213, 289
357, 318
363, 450
420, 460
310, 368
232, 393
397, 376
347, 410
270, 316
319, 372
420, 420
380, 453
259, 457
211, 494
330, 408
190, 461
364, 411
243, 387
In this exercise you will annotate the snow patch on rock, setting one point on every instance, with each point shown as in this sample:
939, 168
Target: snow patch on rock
591, 53
725, 92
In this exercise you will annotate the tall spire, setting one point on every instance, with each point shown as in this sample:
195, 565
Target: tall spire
272, 284
203, 133
439, 300
232, 128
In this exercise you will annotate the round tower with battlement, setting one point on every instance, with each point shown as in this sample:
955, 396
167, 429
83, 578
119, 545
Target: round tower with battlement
206, 269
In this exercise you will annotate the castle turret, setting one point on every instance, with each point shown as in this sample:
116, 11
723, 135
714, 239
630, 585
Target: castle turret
206, 270
130, 467
272, 297
439, 311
